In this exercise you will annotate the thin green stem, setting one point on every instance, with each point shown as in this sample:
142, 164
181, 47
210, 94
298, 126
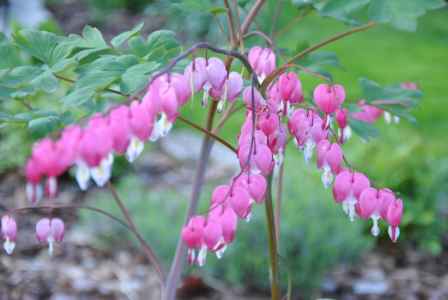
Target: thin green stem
275, 289
278, 201
311, 49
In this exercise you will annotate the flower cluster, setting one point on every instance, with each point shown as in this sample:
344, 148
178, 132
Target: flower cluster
261, 143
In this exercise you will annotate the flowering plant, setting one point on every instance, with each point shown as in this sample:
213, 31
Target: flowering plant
256, 82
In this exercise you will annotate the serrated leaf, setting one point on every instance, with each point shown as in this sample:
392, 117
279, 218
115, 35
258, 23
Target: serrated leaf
93, 38
402, 14
159, 46
91, 42
365, 130
342, 9
136, 77
124, 36
42, 45
78, 96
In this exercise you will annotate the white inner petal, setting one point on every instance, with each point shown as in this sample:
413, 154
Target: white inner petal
327, 176
219, 253
101, 174
9, 246
134, 149
375, 228
82, 175
348, 205
308, 150
202, 256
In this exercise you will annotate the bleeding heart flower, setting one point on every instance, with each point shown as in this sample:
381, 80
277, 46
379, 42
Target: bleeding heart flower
9, 233
262, 61
49, 231
329, 97
347, 188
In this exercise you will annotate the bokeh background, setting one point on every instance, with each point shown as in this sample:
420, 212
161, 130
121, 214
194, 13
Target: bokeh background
324, 253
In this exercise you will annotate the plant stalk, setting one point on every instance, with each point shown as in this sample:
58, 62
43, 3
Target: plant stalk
173, 278
275, 289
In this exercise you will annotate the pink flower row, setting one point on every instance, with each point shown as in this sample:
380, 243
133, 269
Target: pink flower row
261, 143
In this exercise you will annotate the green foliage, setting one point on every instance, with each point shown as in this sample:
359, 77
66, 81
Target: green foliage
401, 14
90, 65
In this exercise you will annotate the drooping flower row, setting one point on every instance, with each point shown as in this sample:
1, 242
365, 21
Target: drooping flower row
261, 142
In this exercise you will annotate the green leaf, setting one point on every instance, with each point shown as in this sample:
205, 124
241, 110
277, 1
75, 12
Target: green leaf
46, 82
402, 14
342, 9
91, 42
93, 38
44, 125
42, 45
365, 130
373, 91
78, 96
9, 53
136, 77
124, 36
160, 46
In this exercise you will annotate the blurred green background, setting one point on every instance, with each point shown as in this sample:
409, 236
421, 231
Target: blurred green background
411, 159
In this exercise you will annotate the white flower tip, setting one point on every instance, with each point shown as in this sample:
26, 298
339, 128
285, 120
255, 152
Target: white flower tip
327, 177
221, 104
394, 233
82, 175
9, 246
202, 256
134, 149
219, 253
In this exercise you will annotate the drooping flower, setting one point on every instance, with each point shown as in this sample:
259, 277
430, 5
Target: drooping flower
250, 93
141, 124
262, 61
393, 217
196, 74
120, 128
344, 131
290, 89
230, 90
369, 206
46, 155
255, 184
347, 188
50, 231
9, 233
368, 113
193, 235
329, 158
95, 149
239, 200
329, 97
